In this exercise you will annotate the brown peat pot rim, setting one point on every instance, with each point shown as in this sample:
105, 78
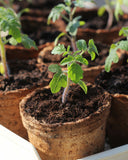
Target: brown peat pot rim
97, 113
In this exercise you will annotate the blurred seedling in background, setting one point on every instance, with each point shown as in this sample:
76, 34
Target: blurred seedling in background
10, 32
114, 9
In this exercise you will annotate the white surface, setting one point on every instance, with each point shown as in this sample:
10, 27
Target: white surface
119, 153
13, 147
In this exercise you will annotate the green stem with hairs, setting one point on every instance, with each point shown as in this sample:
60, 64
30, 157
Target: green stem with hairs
72, 39
65, 93
66, 90
65, 18
72, 13
3, 58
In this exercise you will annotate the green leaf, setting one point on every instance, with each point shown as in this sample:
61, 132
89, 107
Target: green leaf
68, 9
15, 33
101, 11
118, 10
54, 68
76, 52
82, 60
123, 45
81, 45
68, 48
67, 60
59, 80
59, 49
1, 68
25, 10
12, 41
83, 86
113, 57
68, 51
92, 50
73, 25
75, 72
68, 2
80, 3
58, 37
124, 31
27, 42
82, 23
65, 53
55, 12
10, 22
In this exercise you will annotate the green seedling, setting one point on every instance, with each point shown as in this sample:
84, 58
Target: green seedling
109, 6
9, 4
123, 44
10, 32
72, 57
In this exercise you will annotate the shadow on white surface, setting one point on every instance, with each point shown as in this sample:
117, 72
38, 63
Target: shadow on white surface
13, 147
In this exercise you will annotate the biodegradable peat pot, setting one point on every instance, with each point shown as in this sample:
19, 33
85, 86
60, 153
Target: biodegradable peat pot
116, 83
94, 68
12, 90
97, 31
66, 131
21, 53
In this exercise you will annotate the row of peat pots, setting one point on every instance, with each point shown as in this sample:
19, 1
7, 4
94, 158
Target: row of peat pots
81, 131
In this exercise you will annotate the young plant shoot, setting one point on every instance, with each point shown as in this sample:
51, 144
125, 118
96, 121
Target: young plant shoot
10, 32
123, 44
72, 57
9, 4
109, 6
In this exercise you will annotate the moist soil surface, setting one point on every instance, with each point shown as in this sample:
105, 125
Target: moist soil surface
45, 106
38, 4
24, 74
38, 30
115, 81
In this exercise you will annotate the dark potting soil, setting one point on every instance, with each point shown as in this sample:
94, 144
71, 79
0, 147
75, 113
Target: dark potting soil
42, 37
45, 106
115, 81
38, 4
24, 74
38, 30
